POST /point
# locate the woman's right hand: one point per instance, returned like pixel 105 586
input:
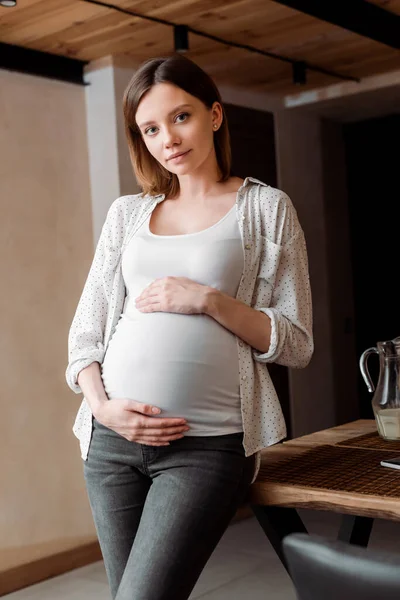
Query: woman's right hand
pixel 132 420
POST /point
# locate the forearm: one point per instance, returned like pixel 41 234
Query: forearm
pixel 250 325
pixel 91 383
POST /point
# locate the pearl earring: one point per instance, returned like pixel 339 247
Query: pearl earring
pixel 215 126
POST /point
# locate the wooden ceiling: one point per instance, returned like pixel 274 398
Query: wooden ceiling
pixel 81 30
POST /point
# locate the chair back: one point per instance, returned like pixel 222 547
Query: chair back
pixel 323 569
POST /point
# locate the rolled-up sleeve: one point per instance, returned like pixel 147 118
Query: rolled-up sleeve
pixel 86 334
pixel 290 309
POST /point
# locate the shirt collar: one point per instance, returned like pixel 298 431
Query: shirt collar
pixel 252 179
pixel 160 197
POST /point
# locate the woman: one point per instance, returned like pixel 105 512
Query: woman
pixel 196 285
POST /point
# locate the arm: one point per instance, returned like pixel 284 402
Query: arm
pixel 279 329
pixel 91 384
pixel 131 419
pixel 85 339
pixel 290 309
pixel 250 325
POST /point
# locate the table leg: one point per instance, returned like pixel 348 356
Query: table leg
pixel 356 530
pixel 278 522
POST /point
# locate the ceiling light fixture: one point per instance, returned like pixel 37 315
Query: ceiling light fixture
pixel 299 71
pixel 181 38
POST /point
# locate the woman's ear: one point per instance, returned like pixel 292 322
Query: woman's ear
pixel 217 116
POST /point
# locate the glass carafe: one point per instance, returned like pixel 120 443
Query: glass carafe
pixel 386 398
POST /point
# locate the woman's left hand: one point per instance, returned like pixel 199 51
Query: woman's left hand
pixel 175 295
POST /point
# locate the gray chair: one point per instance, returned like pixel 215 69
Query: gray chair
pixel 323 569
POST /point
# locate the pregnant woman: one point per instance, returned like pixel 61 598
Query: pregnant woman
pixel 197 283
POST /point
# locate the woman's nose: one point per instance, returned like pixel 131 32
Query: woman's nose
pixel 170 138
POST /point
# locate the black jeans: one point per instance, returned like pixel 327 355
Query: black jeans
pixel 160 511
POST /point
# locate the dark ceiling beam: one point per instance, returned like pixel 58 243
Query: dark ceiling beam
pixel 357 16
pixel 43 64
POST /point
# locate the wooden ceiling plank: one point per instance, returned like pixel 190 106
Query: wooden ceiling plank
pixel 52 23
pixel 81 26
pixel 173 9
pixel 356 55
pixel 144 32
pixel 224 18
pixel 29 13
pixel 332 55
pixel 110 25
pixel 100 46
pixel 21 5
pixel 295 28
pixel 374 65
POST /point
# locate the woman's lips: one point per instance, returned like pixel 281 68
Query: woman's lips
pixel 180 157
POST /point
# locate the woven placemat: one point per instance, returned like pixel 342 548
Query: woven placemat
pixel 333 468
pixel 371 440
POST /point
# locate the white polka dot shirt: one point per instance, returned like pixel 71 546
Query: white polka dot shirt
pixel 275 281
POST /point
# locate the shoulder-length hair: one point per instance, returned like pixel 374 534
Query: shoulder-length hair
pixel 185 74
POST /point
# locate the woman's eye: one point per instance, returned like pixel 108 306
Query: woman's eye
pixel 181 118
pixel 185 115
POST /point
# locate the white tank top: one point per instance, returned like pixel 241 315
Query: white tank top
pixel 187 365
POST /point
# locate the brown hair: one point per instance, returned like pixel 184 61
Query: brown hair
pixel 185 74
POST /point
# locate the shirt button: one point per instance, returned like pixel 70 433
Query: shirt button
pixel 244 377
pixel 240 344
pixel 247 246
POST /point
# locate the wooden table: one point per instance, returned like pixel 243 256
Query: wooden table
pixel 274 503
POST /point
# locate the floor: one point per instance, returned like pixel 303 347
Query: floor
pixel 243 566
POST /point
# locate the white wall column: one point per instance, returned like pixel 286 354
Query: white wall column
pixel 111 172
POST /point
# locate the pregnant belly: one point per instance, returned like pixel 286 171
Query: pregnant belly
pixel 187 365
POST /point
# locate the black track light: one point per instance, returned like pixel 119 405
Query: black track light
pixel 181 38
pixel 299 69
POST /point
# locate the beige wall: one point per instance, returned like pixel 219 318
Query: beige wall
pixel 45 253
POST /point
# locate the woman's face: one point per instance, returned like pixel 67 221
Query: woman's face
pixel 174 122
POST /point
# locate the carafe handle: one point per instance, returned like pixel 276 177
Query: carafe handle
pixel 364 367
